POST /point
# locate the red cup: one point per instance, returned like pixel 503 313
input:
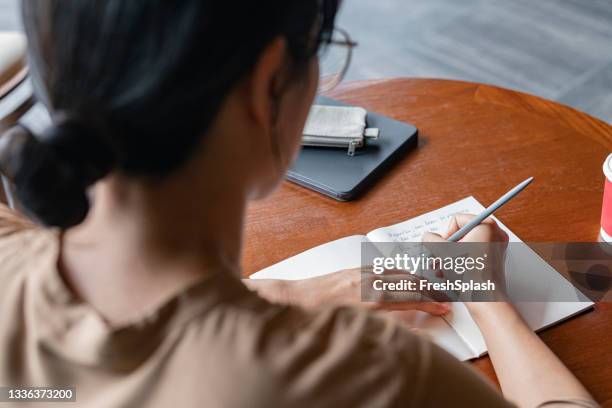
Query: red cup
pixel 606 208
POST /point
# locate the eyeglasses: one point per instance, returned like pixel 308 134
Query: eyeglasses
pixel 334 59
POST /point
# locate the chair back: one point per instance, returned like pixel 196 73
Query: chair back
pixel 16 96
pixel 15 87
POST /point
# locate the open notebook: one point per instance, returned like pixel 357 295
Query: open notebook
pixel 455 332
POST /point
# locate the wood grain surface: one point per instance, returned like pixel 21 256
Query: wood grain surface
pixel 474 140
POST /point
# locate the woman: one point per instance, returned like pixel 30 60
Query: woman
pixel 171 116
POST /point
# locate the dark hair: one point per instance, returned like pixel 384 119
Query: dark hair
pixel 133 84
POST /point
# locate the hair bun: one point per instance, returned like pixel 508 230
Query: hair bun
pixel 51 175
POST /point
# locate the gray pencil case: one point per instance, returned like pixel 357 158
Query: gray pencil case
pixel 339 127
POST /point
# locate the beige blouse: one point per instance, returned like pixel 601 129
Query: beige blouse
pixel 215 345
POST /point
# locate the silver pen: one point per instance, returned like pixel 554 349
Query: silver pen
pixel 489 210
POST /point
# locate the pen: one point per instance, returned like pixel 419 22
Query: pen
pixel 489 210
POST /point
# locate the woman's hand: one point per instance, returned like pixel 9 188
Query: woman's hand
pixel 529 373
pixel 487 232
pixel 344 287
pixel 338 288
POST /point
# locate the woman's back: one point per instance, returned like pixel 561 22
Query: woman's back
pixel 216 345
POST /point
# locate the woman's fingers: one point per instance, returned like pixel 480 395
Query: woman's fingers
pixel 420 289
pixel 453 226
pixel 459 220
pixel 462 219
pixel 432 237
pixel 346 287
pixel 434 308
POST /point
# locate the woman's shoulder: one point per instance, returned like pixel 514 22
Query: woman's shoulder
pixel 290 356
pixel 277 326
pixel 282 355
pixel 22 243
pixel 12 222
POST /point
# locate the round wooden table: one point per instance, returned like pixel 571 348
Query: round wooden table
pixel 474 140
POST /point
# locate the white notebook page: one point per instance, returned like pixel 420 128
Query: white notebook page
pixel 522 264
pixel 456 332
